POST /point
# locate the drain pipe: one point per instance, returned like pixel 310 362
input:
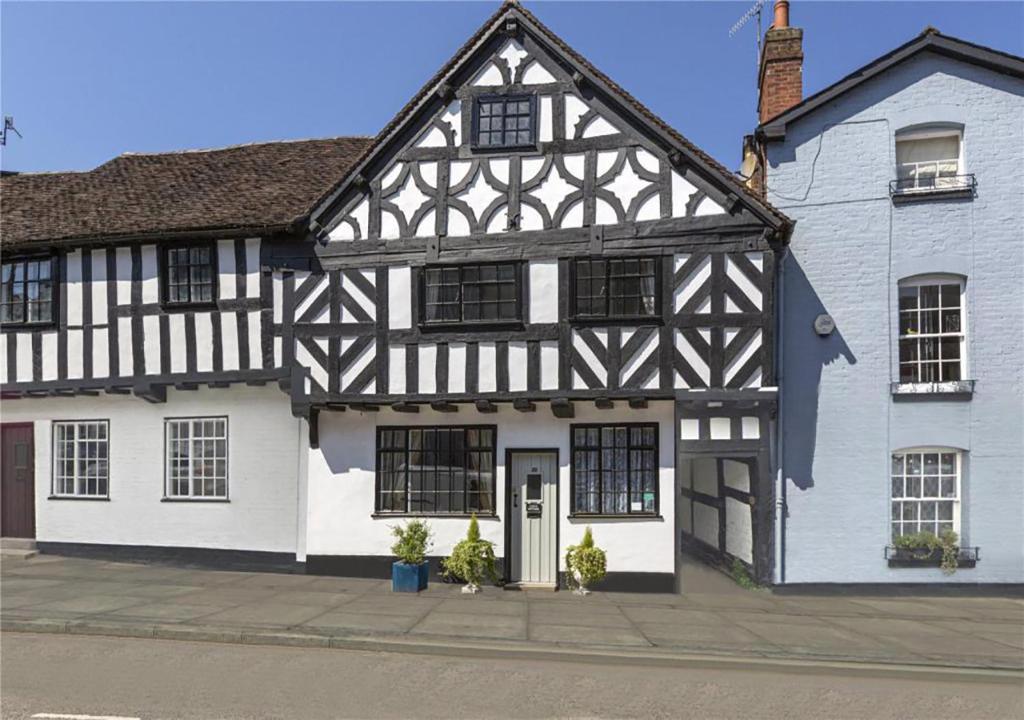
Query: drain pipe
pixel 780 373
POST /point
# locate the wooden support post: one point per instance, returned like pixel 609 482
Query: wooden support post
pixel 314 428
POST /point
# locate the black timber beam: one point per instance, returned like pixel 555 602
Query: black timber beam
pixel 444 406
pixel 314 428
pixel 151 393
pixel 524 405
pixel 486 406
pixel 638 403
pixel 604 403
pixel 405 407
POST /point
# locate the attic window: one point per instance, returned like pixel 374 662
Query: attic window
pixel 504 121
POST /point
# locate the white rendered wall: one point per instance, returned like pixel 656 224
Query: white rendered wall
pixel 341 485
pixel 263 442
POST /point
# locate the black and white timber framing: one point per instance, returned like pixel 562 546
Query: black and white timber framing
pixel 334 314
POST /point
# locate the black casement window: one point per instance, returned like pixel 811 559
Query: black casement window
pixel 507 121
pixel 615 288
pixel 27 291
pixel 190 275
pixel 436 470
pixel 615 469
pixel 472 294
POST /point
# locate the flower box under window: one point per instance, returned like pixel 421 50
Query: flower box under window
pixel 928 557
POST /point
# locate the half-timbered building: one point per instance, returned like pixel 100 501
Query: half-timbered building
pixel 527 299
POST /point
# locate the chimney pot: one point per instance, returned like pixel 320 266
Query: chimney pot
pixel 781 14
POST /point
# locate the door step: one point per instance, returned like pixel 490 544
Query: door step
pixel 18 547
pixel 531 586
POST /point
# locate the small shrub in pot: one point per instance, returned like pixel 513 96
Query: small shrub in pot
pixel 472 559
pixel 585 564
pixel 409 572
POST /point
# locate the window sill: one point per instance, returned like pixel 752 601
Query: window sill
pixel 169 307
pixel 454 516
pixel 194 500
pixel 472 326
pixel 900 558
pixel 89 498
pixel 952 390
pixel 613 320
pixel 616 516
pixel 27 327
pixel 902 197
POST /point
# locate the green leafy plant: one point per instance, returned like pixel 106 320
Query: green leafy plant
pixel 742 576
pixel 585 564
pixel 472 559
pixel 411 541
pixel 921 545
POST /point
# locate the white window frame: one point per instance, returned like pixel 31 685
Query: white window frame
pixel 930 134
pixel 80 484
pixel 918 281
pixel 169 484
pixel 957 499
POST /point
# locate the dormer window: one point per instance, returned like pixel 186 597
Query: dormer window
pixel 504 121
pixel 929 161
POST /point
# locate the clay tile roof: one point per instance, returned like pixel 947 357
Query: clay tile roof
pixel 263 187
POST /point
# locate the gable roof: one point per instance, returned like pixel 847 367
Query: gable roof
pixel 246 189
pixel 511 9
pixel 930 40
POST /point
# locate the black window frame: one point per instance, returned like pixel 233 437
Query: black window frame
pixel 608 316
pixel 575 447
pixel 520 278
pixel 55 284
pixel 505 99
pixel 380 510
pixel 165 280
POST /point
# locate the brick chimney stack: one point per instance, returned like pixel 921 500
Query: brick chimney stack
pixel 780 79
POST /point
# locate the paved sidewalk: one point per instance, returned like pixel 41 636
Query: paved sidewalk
pixel 57 594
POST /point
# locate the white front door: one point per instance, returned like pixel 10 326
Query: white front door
pixel 534 487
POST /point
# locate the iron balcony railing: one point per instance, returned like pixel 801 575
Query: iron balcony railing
pixel 924 183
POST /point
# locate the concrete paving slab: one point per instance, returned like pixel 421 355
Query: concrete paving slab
pixel 321 599
pixel 266 613
pixel 361 622
pixel 577 617
pixel 644 599
pixel 20 584
pixel 892 607
pixel 274 581
pixel 388 605
pixel 228 595
pixel 88 604
pixel 752 616
pixel 456 626
pixel 164 612
pixel 475 605
pixel 587 635
pixel 749 601
pixel 681 616
pixel 1011 634
pixel 702 636
pixel 342 584
pixel 801 638
pixel 580 604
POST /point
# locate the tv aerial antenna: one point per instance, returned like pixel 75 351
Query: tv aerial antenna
pixel 8 125
pixel 754 11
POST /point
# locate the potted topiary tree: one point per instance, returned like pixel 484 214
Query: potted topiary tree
pixel 585 564
pixel 409 572
pixel 472 559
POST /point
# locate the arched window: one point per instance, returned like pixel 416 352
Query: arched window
pixel 926 490
pixel 932 329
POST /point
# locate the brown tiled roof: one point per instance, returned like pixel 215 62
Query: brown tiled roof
pixel 263 187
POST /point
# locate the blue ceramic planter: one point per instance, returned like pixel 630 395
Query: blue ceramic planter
pixel 409 578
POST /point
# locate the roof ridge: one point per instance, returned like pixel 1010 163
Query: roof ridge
pixel 236 146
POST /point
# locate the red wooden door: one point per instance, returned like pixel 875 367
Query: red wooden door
pixel 17 481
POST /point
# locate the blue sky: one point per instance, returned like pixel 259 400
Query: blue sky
pixel 87 81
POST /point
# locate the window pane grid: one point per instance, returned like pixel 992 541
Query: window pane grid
pixel 504 122
pixel 26 292
pixel 616 287
pixel 197 460
pixel 925 492
pixel 81 461
pixel 472 293
pixel 615 469
pixel 190 275
pixel 435 470
pixel 931 333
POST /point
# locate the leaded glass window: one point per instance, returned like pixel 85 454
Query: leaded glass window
pixel 504 122
pixel 615 469
pixel 26 291
pixel 191 277
pixel 616 287
pixel 471 293
pixel 925 491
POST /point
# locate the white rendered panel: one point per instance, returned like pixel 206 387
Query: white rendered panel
pixel 488 362
pixel 176 323
pixel 427 368
pixel 204 343
pixel 76 351
pixel 457 367
pixel 720 428
pixel 750 428
pixel 49 349
pixel 278 286
pixel 549 365
pixel 151 344
pixel 543 291
pixel 150 279
pixel 708 206
pixel 229 341
pixel 739 535
pixel 99 287
pixel 124 346
pixel 73 288
pixel 4 339
pixel 23 356
pixel 255 341
pixel 535 74
pixel 226 269
pixel 366 357
pixel 399 298
pixel 396 369
pixel 681 192
pixel 123 255
pixel 545 119
pixel 100 353
pixel 517 362
pixel 252 267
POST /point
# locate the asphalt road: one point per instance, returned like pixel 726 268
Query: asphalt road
pixel 47 676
